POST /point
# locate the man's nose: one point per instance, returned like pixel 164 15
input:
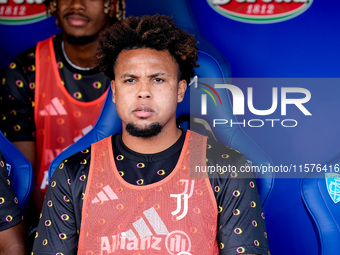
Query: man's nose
pixel 77 4
pixel 144 90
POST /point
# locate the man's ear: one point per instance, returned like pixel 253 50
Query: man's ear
pixel 113 87
pixel 182 87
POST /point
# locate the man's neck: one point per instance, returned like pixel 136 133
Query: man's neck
pixel 82 55
pixel 151 145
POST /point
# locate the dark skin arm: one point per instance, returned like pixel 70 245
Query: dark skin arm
pixel 12 240
pixel 28 148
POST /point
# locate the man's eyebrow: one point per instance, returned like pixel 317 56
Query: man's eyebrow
pixel 127 75
pixel 159 74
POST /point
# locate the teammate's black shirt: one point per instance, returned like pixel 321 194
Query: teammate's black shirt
pixel 10 214
pixel 18 87
pixel 237 198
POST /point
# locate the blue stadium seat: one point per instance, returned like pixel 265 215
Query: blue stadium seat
pixel 320 192
pixel 19 170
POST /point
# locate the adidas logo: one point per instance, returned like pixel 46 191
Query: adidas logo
pixel 176 242
pixel 107 194
pixel 53 109
pixel 143 230
pixel 84 131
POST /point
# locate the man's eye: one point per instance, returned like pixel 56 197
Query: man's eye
pixel 159 80
pixel 129 80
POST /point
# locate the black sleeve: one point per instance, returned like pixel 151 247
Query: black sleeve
pixel 17 98
pixel 59 225
pixel 10 214
pixel 241 224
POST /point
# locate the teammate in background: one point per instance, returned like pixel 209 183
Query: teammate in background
pixel 52 93
pixel 12 232
pixel 132 192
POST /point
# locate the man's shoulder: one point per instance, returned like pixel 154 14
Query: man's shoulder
pixel 216 149
pixel 78 157
pixel 80 161
pixel 28 55
pixel 227 160
pixel 74 166
pixel 78 164
pixel 25 58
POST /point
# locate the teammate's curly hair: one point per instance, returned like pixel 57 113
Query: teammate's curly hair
pixel 51 8
pixel 157 32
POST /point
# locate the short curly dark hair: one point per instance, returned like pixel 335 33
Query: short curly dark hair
pixel 51 8
pixel 157 32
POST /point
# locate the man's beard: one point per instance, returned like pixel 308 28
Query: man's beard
pixel 81 40
pixel 150 131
